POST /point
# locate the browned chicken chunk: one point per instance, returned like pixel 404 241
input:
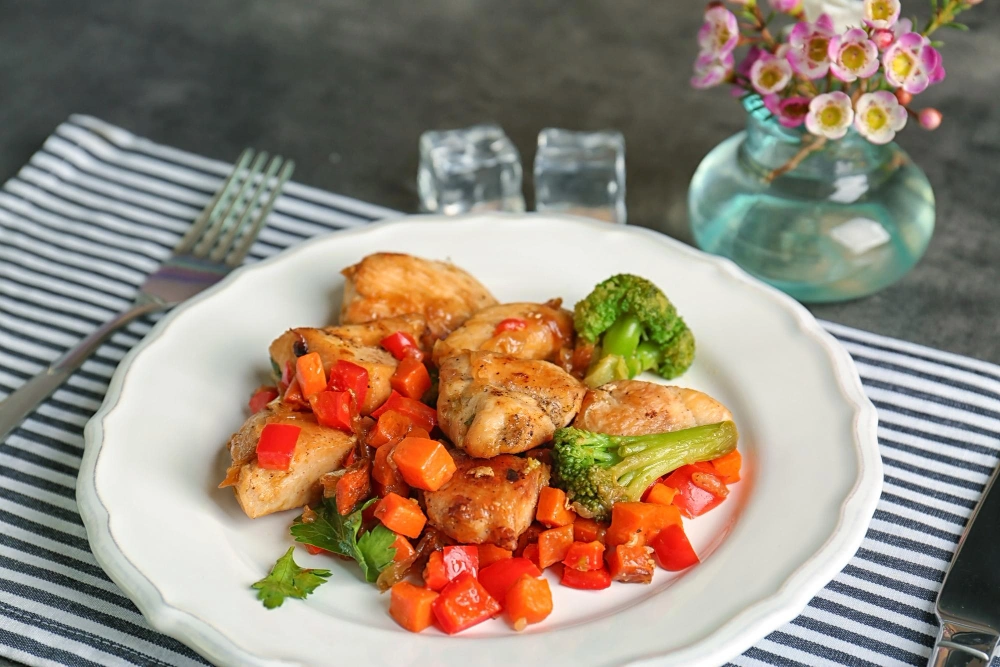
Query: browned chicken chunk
pixel 392 284
pixel 488 500
pixel 317 451
pixel 634 407
pixel 490 404
pixel 357 343
pixel 547 333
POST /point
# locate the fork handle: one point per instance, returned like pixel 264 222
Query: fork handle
pixel 19 405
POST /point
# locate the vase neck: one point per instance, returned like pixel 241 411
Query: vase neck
pixel 769 146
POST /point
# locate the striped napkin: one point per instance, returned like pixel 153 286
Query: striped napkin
pixel 98 208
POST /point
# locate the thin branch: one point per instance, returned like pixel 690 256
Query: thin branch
pixel 804 152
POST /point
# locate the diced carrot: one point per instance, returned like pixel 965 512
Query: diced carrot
pixel 385 476
pixel 552 509
pixel 553 545
pixel 401 515
pixel 491 553
pixel 423 463
pixel 353 486
pixel 391 425
pixel 585 556
pixel 435 573
pixel 661 494
pixel 310 374
pixel 639 523
pixel 411 378
pixel 293 396
pixel 404 550
pixel 529 536
pixel 528 601
pixel 588 530
pixel 411 606
pixel 631 564
pixel 531 553
pixel 728 466
pixel 315 551
pixel 422 415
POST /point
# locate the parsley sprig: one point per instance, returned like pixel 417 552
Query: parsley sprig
pixel 288 580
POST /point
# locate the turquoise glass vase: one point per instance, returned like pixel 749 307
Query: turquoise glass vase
pixel 849 219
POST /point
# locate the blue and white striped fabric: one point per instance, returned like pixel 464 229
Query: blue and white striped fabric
pixel 97 209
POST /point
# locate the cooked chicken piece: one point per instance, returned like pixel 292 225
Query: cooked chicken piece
pixel 317 451
pixel 392 284
pixel 634 407
pixel 488 500
pixel 548 333
pixel 489 404
pixel 357 343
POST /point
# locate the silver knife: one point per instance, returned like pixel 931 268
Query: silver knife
pixel 968 605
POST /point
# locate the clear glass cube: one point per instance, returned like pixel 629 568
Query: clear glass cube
pixel 476 168
pixel 582 173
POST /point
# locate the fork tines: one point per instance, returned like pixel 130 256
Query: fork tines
pixel 228 226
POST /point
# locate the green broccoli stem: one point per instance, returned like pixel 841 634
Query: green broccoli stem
pixel 645 458
pixel 622 337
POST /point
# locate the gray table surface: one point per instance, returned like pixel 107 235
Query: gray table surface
pixel 347 86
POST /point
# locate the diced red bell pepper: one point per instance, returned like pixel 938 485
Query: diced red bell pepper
pixel 261 398
pixel 334 409
pixel 310 374
pixel 401 343
pixel 463 603
pixel 293 395
pixel 346 376
pixel 276 446
pixel 588 580
pixel 287 375
pixel 673 550
pixel 315 551
pixel 460 559
pixel 435 575
pixel 699 489
pixel 510 324
pixel 421 415
pixel 501 575
pixel 411 378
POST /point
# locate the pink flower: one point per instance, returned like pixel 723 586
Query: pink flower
pixel 712 69
pixel 853 55
pixel 809 47
pixel 878 116
pixel 786 6
pixel 881 13
pixel 720 33
pixel 753 53
pixel 912 63
pixel 790 112
pixel 770 73
pixel 930 119
pixel 830 115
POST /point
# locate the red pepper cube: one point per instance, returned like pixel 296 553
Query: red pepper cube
pixel 463 603
pixel 401 343
pixel 347 376
pixel 435 575
pixel 261 398
pixel 499 577
pixel 276 446
pixel 698 489
pixel 334 409
pixel 673 550
pixel 461 559
pixel 589 580
pixel 421 415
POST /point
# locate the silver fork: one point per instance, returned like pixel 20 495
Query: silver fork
pixel 216 243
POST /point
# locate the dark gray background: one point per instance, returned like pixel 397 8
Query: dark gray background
pixel 347 86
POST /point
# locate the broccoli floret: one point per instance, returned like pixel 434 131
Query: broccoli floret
pixel 635 329
pixel 597 470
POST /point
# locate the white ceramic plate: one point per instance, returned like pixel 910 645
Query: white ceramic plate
pixel 186 555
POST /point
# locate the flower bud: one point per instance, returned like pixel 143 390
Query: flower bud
pixel 883 39
pixel 930 119
pixel 973 2
pixel 904 97
pixel 714 4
